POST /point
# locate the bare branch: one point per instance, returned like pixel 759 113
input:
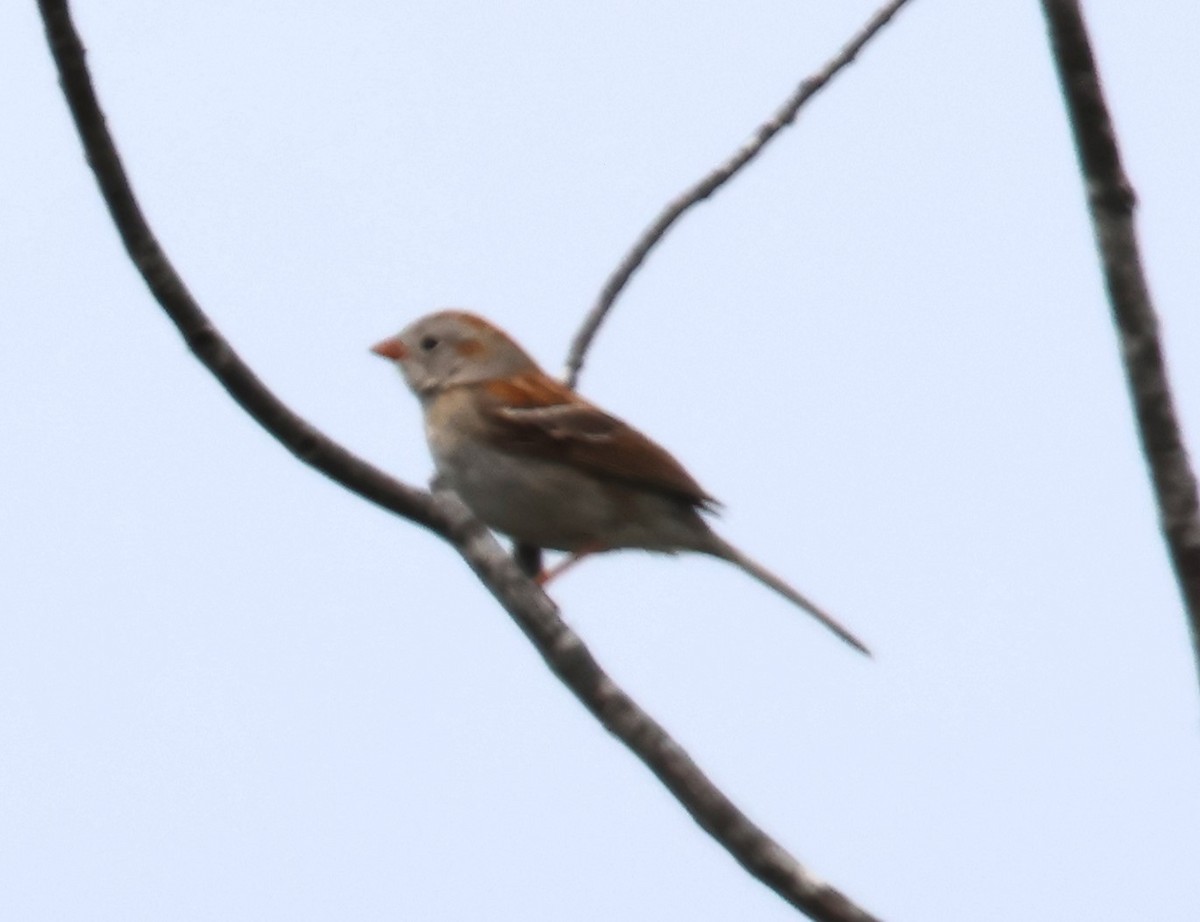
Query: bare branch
pixel 1111 200
pixel 653 235
pixel 441 513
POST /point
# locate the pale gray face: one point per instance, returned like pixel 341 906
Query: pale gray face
pixel 451 348
pixel 439 347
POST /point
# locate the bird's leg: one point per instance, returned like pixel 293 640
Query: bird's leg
pixel 529 559
pixel 567 562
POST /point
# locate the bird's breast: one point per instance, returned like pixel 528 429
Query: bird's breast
pixel 544 502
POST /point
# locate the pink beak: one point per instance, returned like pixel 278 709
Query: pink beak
pixel 391 349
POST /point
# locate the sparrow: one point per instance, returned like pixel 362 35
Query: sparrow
pixel 535 461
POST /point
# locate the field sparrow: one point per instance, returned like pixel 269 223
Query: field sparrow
pixel 535 461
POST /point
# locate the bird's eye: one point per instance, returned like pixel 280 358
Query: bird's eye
pixel 428 343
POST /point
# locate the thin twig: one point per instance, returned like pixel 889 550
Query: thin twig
pixel 675 209
pixel 1111 200
pixel 441 513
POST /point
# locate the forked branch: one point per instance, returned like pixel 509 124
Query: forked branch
pixel 442 514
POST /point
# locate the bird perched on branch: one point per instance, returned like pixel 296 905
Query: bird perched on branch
pixel 535 461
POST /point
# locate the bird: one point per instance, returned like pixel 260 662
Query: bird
pixel 535 461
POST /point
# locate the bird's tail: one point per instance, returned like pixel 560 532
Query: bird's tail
pixel 726 551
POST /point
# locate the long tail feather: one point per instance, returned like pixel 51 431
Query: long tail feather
pixel 726 551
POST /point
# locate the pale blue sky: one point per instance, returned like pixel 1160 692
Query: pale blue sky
pixel 230 690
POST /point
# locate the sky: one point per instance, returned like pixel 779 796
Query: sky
pixel 231 690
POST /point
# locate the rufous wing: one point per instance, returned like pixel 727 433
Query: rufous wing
pixel 535 415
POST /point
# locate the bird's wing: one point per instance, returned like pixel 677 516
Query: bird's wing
pixel 533 414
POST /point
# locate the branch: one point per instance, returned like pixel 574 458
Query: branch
pixel 441 513
pixel 1111 200
pixel 675 209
